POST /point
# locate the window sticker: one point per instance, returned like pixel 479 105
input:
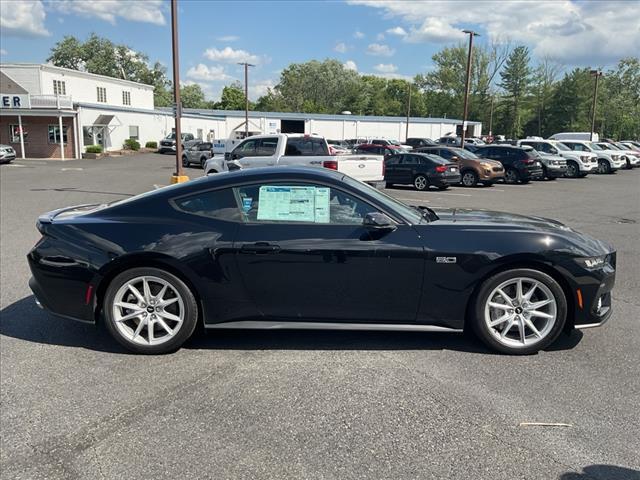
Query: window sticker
pixel 294 204
pixel 246 204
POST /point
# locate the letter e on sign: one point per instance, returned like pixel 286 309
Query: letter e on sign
pixel 5 101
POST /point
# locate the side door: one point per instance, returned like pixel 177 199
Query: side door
pixel 245 152
pixel 305 150
pixel 408 166
pixel 304 254
pixel 391 166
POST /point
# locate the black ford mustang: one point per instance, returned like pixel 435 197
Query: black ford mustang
pixel 311 248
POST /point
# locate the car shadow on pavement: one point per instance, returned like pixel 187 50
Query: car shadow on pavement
pixel 602 472
pixel 24 320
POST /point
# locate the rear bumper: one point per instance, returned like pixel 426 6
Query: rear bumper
pixel 530 174
pixel 445 181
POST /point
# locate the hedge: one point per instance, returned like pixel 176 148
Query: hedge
pixel 94 149
pixel 131 144
pixel 151 145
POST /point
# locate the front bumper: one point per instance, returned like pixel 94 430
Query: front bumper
pixel 556 171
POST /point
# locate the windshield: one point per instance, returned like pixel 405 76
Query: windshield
pixel 410 214
pixel 561 147
pixel 595 146
pixel 610 146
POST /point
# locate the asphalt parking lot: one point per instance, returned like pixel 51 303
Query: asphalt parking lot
pixel 332 405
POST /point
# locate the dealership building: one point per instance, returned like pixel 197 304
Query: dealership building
pixel 54 112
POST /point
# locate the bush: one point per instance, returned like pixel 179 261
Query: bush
pixel 94 149
pixel 151 145
pixel 131 144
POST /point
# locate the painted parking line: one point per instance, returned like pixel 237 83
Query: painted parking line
pixel 71 169
pixel 458 194
pixel 15 165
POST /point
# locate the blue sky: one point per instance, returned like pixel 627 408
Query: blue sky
pixel 387 38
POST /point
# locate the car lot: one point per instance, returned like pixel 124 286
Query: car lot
pixel 315 404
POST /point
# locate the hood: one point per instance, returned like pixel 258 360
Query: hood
pixel 552 232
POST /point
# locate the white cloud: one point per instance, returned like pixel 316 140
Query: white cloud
pixel 228 38
pixel 229 55
pixel 3 52
pixel 570 31
pixel 23 18
pixel 350 65
pixel 341 47
pixel 392 76
pixel 398 31
pixel 259 88
pixel 358 34
pixel 207 74
pixel 147 11
pixel 380 50
pixel 385 68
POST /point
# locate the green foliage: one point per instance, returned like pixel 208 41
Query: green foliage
pixel 232 98
pixel 151 145
pixel 515 81
pixel 131 144
pixel 192 96
pixel 93 148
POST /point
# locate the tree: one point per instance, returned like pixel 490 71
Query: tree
pixel 544 77
pixel 192 96
pixel 232 98
pixel 515 81
pixel 101 56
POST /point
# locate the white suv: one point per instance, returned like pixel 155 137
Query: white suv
pixel 579 164
pixel 608 160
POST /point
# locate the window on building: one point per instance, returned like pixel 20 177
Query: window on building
pixel 14 133
pixel 54 134
pixel 199 135
pixel 59 87
pixel 102 95
pixel 133 132
pixel 126 98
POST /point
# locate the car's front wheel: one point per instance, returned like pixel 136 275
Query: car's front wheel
pixel 185 162
pixel 519 311
pixel 573 171
pixel 149 310
pixel 511 176
pixel 603 166
pixel 203 160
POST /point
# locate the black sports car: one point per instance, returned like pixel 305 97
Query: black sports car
pixel 311 248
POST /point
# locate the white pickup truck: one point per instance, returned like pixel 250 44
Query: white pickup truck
pixel 301 150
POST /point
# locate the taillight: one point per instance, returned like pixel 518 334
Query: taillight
pixel 441 169
pixel 330 164
pixel 528 161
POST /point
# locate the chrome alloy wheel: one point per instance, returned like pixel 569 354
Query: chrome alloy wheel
pixel 469 179
pixel 420 182
pixel 520 312
pixel 148 310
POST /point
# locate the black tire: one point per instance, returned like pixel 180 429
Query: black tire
pixel 545 173
pixel 469 178
pixel 185 162
pixel 443 187
pixel 603 166
pixel 188 300
pixel 203 160
pixel 420 182
pixel 573 170
pixel 482 330
pixel 511 176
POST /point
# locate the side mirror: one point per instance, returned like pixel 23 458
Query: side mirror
pixel 378 221
pixel 455 158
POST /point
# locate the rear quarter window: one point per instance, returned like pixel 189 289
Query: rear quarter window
pixel 216 204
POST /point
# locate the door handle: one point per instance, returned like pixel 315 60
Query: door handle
pixel 259 248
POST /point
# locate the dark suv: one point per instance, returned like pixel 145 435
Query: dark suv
pixel 519 164
pixel 420 142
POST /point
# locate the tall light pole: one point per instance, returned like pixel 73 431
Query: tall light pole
pixel 406 136
pixel 597 74
pixel 467 84
pixel 246 96
pixel 178 176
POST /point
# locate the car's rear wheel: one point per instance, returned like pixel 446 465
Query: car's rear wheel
pixel 519 311
pixel 185 162
pixel 511 176
pixel 603 166
pixel 572 170
pixel 149 310
pixel 420 182
pixel 469 178
pixel 203 160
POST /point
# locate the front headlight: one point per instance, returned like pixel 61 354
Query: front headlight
pixel 592 263
pixel 614 157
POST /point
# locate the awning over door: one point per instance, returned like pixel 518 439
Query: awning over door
pixel 103 120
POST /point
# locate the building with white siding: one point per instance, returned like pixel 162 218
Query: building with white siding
pixel 54 112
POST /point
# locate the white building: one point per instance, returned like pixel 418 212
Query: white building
pixel 42 107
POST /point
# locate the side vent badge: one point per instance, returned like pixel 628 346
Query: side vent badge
pixel 446 259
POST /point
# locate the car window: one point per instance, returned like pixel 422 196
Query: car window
pixel 266 147
pixel 309 146
pixel 217 204
pixel 300 203
pixel 393 160
pixel 378 142
pixel 444 153
pixel 246 149
pixel 204 146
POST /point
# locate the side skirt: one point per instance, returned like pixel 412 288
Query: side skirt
pixel 276 325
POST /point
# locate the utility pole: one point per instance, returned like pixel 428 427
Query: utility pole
pixel 246 96
pixel 178 176
pixel 406 137
pixel 597 74
pixel 491 118
pixel 467 85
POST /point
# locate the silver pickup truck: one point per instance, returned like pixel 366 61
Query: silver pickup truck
pixel 197 153
pixel 297 149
